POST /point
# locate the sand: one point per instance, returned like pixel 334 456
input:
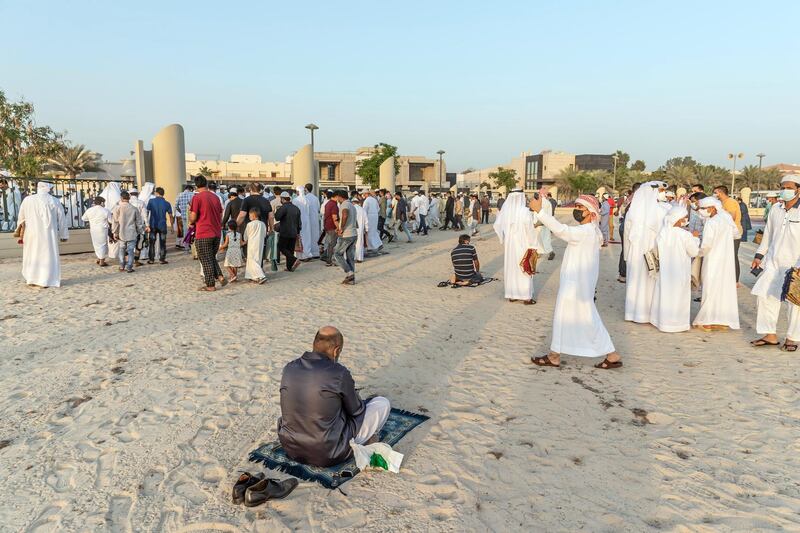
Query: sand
pixel 130 401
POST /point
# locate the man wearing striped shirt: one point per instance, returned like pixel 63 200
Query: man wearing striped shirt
pixel 466 266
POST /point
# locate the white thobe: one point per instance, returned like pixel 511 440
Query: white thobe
pixel 10 200
pixel 434 211
pixel 363 226
pixel 517 238
pixel 371 209
pixel 254 234
pixel 577 326
pixel 99 219
pixel 45 224
pixel 672 298
pixel 305 226
pixel 639 283
pixel 314 222
pixel 718 303
pixel 780 248
pixel 137 202
pixel 545 242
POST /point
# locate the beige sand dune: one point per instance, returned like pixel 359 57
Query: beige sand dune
pixel 129 403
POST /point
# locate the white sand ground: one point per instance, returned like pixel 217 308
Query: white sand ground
pixel 129 402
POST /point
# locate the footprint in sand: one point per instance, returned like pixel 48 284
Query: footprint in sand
pixel 88 451
pixel 446 492
pixel 151 482
pixel 171 520
pixel 191 492
pixel 118 516
pixel 351 519
pixel 442 513
pixel 105 469
pixel 62 478
pixel 49 519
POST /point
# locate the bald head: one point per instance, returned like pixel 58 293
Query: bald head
pixel 329 341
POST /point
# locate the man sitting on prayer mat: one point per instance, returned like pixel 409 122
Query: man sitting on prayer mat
pixel 320 408
pixel 466 267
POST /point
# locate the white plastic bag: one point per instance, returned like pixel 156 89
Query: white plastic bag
pixel 363 456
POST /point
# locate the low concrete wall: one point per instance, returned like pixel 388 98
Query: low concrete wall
pixel 80 241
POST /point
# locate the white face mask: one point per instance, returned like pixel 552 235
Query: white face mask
pixel 662 196
pixel 703 212
pixel 787 195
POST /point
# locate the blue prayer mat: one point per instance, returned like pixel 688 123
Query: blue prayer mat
pixel 272 455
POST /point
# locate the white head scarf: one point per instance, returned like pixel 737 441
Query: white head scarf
pixel 514 210
pixel 146 193
pixel 642 218
pixel 112 195
pixel 725 217
pixel 43 187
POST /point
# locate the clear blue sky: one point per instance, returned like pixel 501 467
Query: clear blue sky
pixel 481 80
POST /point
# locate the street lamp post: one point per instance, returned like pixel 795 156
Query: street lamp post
pixel 740 155
pixel 314 178
pixel 615 157
pixel 441 153
pixel 760 156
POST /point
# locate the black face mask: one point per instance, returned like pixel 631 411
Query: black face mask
pixel 577 214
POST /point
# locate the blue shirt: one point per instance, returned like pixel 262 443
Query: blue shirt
pixel 158 208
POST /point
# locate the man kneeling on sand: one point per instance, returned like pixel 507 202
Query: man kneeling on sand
pixel 320 408
pixel 466 267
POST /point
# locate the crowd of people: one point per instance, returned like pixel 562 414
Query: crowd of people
pixel 291 226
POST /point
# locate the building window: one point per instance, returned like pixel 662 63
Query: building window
pixel 273 174
pixel 331 172
pixel 531 173
pixel 235 175
pixel 262 174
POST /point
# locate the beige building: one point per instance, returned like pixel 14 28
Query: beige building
pixel 533 171
pixel 336 170
pixel 242 168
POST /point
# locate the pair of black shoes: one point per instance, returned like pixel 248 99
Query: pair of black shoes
pixel 255 489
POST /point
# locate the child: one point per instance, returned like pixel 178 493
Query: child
pixel 233 251
pixel 255 233
pixel 672 297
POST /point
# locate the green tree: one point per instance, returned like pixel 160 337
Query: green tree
pixel 71 161
pixel 623 159
pixel 584 182
pixel 572 182
pixel 711 175
pixel 750 176
pixel 603 178
pixel 369 168
pixel 638 165
pixel 685 161
pixel 771 178
pixel 504 177
pixel 24 146
pixel 681 175
pixel 205 171
pixel 485 185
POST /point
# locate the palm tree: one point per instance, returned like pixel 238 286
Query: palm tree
pixel 564 181
pixel 205 171
pixel 749 176
pixel 711 176
pixel 71 161
pixel 681 175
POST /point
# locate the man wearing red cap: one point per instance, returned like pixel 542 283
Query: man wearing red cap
pixel 577 326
